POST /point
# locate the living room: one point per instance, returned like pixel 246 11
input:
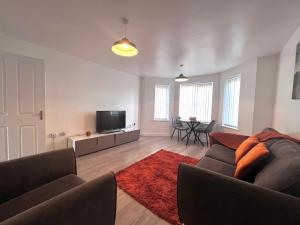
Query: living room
pixel 156 128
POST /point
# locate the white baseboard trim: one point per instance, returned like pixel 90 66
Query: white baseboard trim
pixel 154 134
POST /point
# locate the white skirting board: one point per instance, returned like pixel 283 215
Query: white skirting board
pixel 156 134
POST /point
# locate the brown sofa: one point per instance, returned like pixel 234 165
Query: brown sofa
pixel 208 193
pixel 44 190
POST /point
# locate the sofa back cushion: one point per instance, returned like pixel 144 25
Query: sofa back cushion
pixel 251 161
pixel 245 147
pixel 19 176
pixel 269 129
pixel 282 171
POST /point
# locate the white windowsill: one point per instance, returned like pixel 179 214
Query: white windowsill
pixel 161 120
pixel 232 128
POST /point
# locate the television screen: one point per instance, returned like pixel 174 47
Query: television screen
pixel 110 120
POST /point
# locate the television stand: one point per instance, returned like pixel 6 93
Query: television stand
pixel 83 144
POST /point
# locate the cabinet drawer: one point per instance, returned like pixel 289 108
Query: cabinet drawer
pixel 134 135
pixel 122 138
pixel 86 146
pixel 106 141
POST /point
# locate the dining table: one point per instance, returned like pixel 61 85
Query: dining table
pixel 192 124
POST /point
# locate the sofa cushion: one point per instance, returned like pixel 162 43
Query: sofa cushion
pixel 221 153
pixel 30 172
pixel 36 196
pixel 245 147
pixel 216 166
pixel 251 162
pixel 282 171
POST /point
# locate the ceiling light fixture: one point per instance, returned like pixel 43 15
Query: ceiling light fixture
pixel 181 77
pixel 124 47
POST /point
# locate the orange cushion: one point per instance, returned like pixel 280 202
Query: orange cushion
pixel 252 160
pixel 245 147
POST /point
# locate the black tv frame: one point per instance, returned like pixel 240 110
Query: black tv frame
pixel 112 130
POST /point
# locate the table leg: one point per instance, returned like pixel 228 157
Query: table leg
pixel 188 138
pixel 187 132
pixel 200 140
pixel 192 130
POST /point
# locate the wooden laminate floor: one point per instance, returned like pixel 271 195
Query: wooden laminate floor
pixel 130 212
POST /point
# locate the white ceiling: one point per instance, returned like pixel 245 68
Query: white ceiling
pixel 207 36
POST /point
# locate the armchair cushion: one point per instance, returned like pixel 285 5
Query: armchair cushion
pixel 91 203
pixel 221 153
pixel 36 196
pixel 19 176
pixel 216 166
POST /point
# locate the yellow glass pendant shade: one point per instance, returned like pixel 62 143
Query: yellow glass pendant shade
pixel 124 48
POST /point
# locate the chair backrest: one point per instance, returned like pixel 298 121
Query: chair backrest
pixel 210 126
pixel 176 121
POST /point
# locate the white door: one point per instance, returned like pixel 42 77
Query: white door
pixel 22 105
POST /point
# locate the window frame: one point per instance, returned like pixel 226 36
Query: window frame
pixel 224 94
pixel 212 97
pixel 168 103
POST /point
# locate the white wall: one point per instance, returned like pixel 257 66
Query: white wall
pixel 247 96
pixel 266 80
pixel 287 111
pixel 76 88
pixel 150 127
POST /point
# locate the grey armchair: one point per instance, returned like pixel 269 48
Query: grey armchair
pixel 44 190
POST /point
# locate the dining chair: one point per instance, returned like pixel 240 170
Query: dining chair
pixel 205 129
pixel 177 125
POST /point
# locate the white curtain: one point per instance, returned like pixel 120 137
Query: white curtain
pixel 231 101
pixel 161 104
pixel 195 100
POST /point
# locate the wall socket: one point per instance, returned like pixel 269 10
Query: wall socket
pixel 62 134
pixel 132 125
pixel 52 135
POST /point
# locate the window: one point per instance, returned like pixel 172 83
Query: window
pixel 161 104
pixel 196 100
pixel 231 102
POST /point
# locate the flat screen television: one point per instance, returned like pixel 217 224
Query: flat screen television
pixel 110 121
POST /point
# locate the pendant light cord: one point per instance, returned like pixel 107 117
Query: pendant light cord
pixel 125 22
pixel 181 68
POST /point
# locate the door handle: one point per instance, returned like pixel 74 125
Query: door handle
pixel 41 115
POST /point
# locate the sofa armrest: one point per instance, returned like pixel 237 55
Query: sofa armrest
pixel 92 203
pixel 206 197
pixel 24 174
pixel 227 139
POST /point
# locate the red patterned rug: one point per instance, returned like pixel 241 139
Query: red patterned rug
pixel 153 182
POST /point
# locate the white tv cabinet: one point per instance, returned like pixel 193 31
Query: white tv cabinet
pixel 83 144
